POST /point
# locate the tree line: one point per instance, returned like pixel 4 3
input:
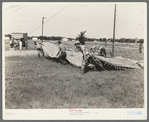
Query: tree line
pixel 85 39
pixel 122 40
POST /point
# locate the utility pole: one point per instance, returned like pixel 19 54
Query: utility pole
pixel 114 31
pixel 42 27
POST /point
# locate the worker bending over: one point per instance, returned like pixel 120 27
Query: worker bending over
pixel 81 48
pixel 102 52
pixel 61 51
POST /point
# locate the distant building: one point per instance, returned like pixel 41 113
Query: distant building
pixel 19 35
pixel 34 38
pixel 65 39
pixel 95 40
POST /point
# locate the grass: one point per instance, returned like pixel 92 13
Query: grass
pixel 46 83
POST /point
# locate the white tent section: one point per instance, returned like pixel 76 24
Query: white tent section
pixel 34 38
pixel 65 39
pixel 75 58
pixel 51 50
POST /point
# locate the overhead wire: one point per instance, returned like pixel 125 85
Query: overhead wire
pixel 13 6
pixel 15 10
pixel 49 19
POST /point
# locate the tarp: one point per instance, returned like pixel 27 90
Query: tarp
pixel 119 61
pixel 76 58
pixel 115 63
pixel 51 50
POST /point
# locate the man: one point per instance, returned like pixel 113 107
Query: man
pixel 92 49
pixel 11 42
pixel 37 46
pixel 23 42
pixel 20 45
pixel 61 51
pixel 102 52
pixel 140 47
pixel 83 50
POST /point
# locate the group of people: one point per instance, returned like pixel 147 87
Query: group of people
pixel 61 55
pixel 81 48
pixel 15 43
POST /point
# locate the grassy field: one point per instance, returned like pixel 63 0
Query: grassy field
pixel 32 83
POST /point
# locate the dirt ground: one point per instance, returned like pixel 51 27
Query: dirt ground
pixel 41 83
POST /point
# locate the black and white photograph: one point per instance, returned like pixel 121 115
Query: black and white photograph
pixel 74 61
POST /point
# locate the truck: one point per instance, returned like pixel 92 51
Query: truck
pixel 16 37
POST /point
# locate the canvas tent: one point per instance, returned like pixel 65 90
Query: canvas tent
pixel 101 63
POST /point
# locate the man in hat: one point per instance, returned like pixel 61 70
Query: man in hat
pixel 37 45
pixel 61 51
pixel 84 65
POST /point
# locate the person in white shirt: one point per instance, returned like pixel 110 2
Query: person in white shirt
pixel 20 45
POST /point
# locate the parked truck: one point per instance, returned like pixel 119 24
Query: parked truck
pixel 17 37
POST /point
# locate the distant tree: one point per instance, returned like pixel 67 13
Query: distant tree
pixel 104 39
pixel 127 40
pixel 100 39
pixel 81 37
pixel 141 41
pixel 40 37
pixel 122 40
pixel 109 39
pixel 71 39
pixel 97 40
pixel 8 35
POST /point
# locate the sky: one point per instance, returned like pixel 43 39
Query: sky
pixel 69 19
